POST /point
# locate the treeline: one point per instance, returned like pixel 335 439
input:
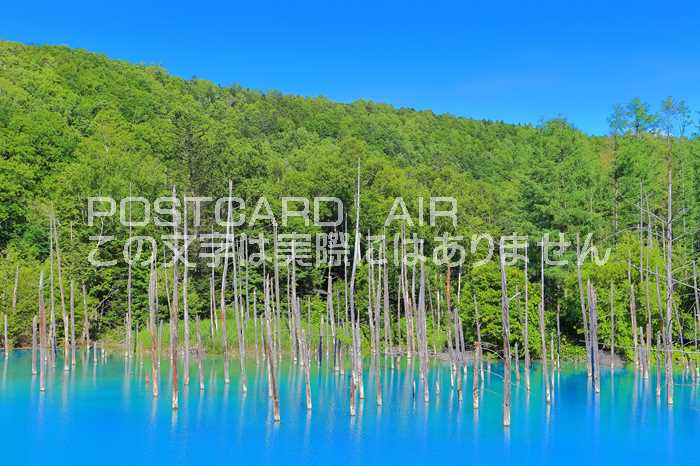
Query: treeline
pixel 75 124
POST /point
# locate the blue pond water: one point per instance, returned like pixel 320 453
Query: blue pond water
pixel 105 415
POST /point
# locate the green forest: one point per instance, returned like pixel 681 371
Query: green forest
pixel 75 124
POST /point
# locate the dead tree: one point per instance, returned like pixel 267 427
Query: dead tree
pixel 658 365
pixel 697 304
pixel 66 349
pixel 174 312
pixel 545 371
pixel 526 338
pixel 306 355
pixel 612 325
pixel 238 311
pixel 200 355
pixel 584 317
pixel 271 360
pixel 42 335
pixel 152 299
pixel 52 297
pixel 86 321
pixel 185 300
pixel 34 325
pixel 475 375
pixel 595 359
pixel 72 323
pixel 669 289
pixel 505 322
pixel 633 315
pixel 222 298
pixel 14 307
pixel 356 371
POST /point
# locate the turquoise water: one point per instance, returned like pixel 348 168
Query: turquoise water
pixel 105 415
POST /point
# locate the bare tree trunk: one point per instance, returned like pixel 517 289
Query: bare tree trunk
pixel 583 306
pixel 356 374
pixel 421 327
pixel 306 355
pixel 475 375
pixel 516 357
pixel 633 315
pixel 505 323
pixel 658 365
pixel 545 371
pixel 72 323
pixel 52 297
pixel 387 314
pixel 66 361
pixel 558 339
pixel 451 324
pixel 378 296
pixel 255 325
pixel 152 299
pixel 526 338
pixel 200 355
pixel 331 314
pixel 14 308
pixel 6 340
pixel 276 290
pixel 34 325
pixel 86 320
pixel 697 304
pixel 238 311
pixel 213 322
pixel 159 340
pixel 42 335
pixel 174 314
pixel 222 299
pixel 185 301
pixel 271 359
pixel 595 360
pixel 612 325
pixel 478 337
pixel 669 290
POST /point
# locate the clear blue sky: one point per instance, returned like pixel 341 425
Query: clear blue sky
pixel 517 61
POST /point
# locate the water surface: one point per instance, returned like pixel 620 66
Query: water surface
pixel 104 414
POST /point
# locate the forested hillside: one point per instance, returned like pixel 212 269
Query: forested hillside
pixel 74 124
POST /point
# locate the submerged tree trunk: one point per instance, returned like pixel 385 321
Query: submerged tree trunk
pixel 475 375
pixel 633 315
pixel 658 365
pixel 612 325
pixel 42 334
pixel 222 299
pixel 238 311
pixel 152 299
pixel 200 354
pixel 86 320
pixel 72 323
pixel 595 360
pixel 64 315
pixel 306 355
pixel 14 309
pixel 185 301
pixel 271 360
pixel 545 371
pixel 526 338
pixel 584 318
pixel 669 290
pixel 506 340
pixel 34 324
pixel 174 314
pixel 696 294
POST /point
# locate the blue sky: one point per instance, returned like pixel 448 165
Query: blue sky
pixel 516 61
